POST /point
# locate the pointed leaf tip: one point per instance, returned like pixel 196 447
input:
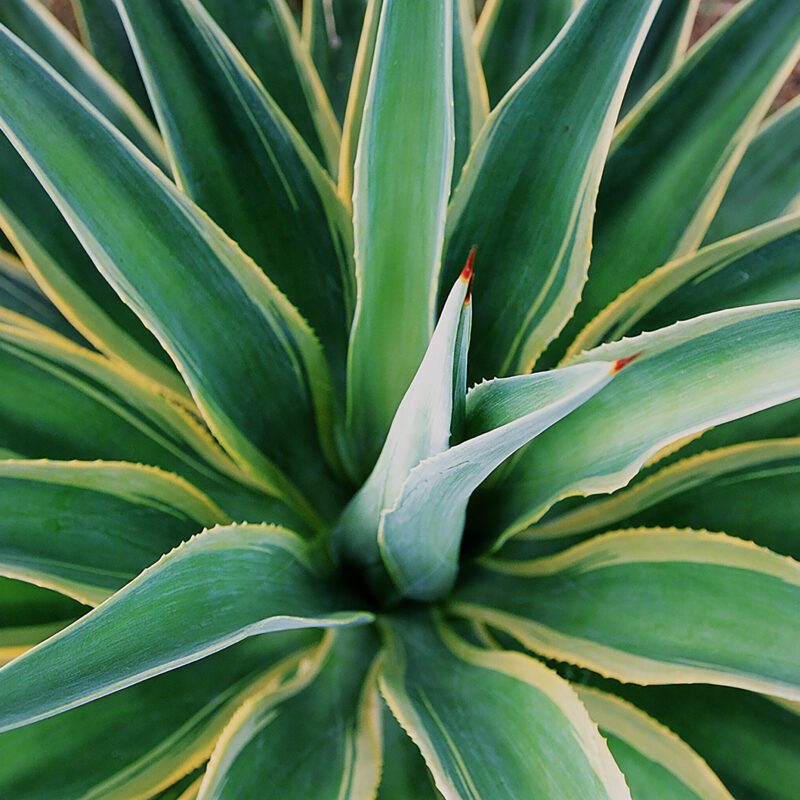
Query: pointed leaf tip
pixel 621 363
pixel 466 273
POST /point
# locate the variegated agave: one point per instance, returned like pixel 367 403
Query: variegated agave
pixel 249 316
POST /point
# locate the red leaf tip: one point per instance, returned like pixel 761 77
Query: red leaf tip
pixel 466 273
pixel 621 363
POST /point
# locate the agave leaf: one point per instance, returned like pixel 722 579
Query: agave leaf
pixel 655 762
pixel 48 383
pixel 140 740
pixel 253 365
pixel 331 32
pixel 674 155
pixel 420 534
pixel 421 428
pixel 317 736
pixel 663 48
pixel 470 96
pixel 104 35
pixel 264 187
pixel 404 773
pixel 186 789
pixel 758 266
pixel 522 172
pixel 266 34
pixel 647 589
pixel 402 179
pixel 462 706
pixel 241 581
pixel 767 181
pixel 112 521
pixel 512 34
pixel 749 490
pixel 357 96
pixel 38 28
pixel 757 754
pixel 20 294
pixel 724 365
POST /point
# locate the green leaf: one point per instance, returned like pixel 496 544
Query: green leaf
pixel 266 34
pixel 470 96
pixel 86 528
pixel 40 30
pixel 359 85
pixel 142 739
pixel 331 32
pixel 316 736
pixel 421 428
pixel 673 157
pixel 749 490
pixel 404 773
pixel 722 366
pixel 767 181
pixel 20 294
pixel 240 581
pixel 30 614
pixel 655 762
pixel 462 706
pixel 402 179
pixel 663 48
pixel 213 310
pixel 512 34
pixel 537 269
pixel 48 383
pixel 104 35
pixel 758 266
pixel 652 606
pixel 420 533
pixel 750 741
pixel 264 188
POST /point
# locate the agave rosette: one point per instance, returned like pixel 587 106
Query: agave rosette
pixel 260 539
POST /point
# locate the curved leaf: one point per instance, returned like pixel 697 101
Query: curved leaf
pixel 462 706
pixel 749 740
pixel 331 32
pixel 402 180
pixel 470 96
pixel 512 34
pixel 655 762
pixel 104 35
pixel 421 428
pixel 663 48
pixel 224 324
pixel 750 490
pixel 263 187
pixel 675 154
pixel 86 528
pixel 48 383
pixel 241 581
pixel 758 266
pixel 266 34
pixel 723 365
pixel 140 740
pixel 316 736
pixel 19 293
pixel 652 606
pixel 540 187
pixel 767 182
pixel 420 533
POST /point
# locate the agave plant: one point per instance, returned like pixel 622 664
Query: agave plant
pixel 258 537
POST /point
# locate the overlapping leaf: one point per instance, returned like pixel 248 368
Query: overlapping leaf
pixel 526 197
pixel 240 580
pixel 652 606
